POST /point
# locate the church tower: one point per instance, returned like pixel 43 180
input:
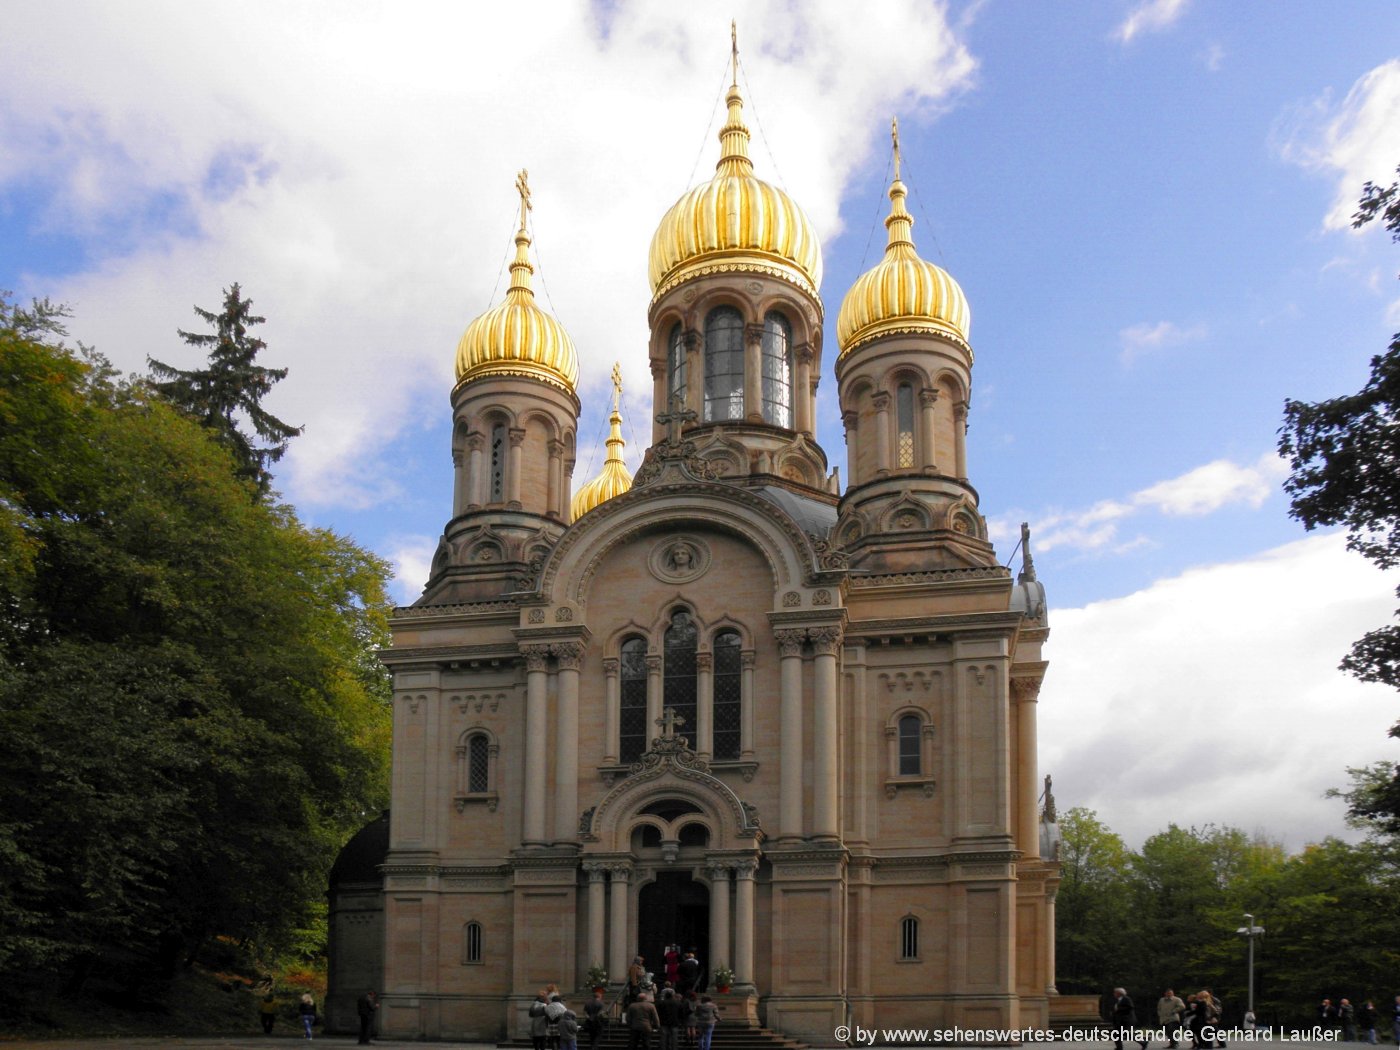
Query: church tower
pixel 736 321
pixel 904 375
pixel 515 417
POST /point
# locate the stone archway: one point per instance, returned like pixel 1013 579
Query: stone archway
pixel 674 908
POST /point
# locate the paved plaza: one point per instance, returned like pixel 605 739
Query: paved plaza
pixel 285 1041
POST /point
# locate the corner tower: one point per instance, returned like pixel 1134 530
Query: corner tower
pixel 904 378
pixel 514 426
pixel 736 320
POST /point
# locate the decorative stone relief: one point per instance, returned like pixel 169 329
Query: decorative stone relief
pixel 822 597
pixel 536 616
pixel 791 600
pixel 679 559
pixel 563 614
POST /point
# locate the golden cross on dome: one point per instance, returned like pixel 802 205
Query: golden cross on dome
pixel 617 386
pixel 668 723
pixel 734 48
pixel 522 183
pixel 894 137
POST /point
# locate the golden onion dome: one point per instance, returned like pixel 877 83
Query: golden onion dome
pixel 735 222
pixel 614 479
pixel 901 293
pixel 517 338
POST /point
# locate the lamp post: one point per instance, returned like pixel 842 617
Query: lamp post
pixel 1249 931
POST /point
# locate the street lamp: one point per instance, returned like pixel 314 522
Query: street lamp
pixel 1249 931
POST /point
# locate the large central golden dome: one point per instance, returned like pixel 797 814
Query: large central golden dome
pixel 735 222
pixel 901 293
pixel 517 337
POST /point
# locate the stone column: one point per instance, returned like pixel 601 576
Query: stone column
pixel 927 399
pixel 881 401
pixel 517 438
pixel 705 704
pixel 536 734
pixel 802 391
pixel 569 655
pixel 743 921
pixel 1025 692
pixel 753 373
pixel 556 479
pixel 694 373
pixel 851 421
pixel 960 438
pixel 826 813
pixel 1050 892
pixel 617 909
pixel 613 692
pixel 654 694
pixel 746 704
pixel 790 734
pixel 460 481
pixel 659 399
pixel 597 920
pixel 476 477
pixel 719 915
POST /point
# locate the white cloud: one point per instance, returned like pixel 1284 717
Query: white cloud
pixel 1200 491
pixel 1214 696
pixel 1141 339
pixel 412 558
pixel 355 174
pixel 1214 56
pixel 1355 139
pixel 1150 16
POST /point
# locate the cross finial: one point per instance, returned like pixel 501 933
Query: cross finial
pixel 668 722
pixel 894 138
pixel 673 419
pixel 617 386
pixel 522 184
pixel 734 48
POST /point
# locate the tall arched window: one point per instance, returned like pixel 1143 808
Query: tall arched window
pixel 498 463
pixel 904 420
pixel 471 943
pixel 910 731
pixel 909 938
pixel 727 697
pixel 679 692
pixel 632 720
pixel 478 764
pixel 675 364
pixel 777 370
pixel 724 365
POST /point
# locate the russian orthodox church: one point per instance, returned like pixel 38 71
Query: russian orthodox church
pixel 729 703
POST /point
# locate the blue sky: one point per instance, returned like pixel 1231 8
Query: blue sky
pixel 1144 202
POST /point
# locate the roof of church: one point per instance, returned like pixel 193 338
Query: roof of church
pixel 359 859
pixel 810 515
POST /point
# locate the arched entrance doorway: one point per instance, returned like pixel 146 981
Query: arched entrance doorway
pixel 674 909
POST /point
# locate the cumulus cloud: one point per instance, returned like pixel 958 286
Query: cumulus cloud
pixel 1141 339
pixel 1151 16
pixel 411 558
pixel 1214 696
pixel 1355 139
pixel 355 175
pixel 1203 490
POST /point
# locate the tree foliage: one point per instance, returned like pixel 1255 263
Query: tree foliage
pixel 230 386
pixel 1345 458
pixel 190 720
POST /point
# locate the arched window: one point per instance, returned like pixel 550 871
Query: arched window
pixel 478 764
pixel 777 370
pixel 675 364
pixel 904 420
pixel 498 463
pixel 910 731
pixel 632 721
pixel 679 692
pixel 727 697
pixel 724 365
pixel 471 943
pixel 909 937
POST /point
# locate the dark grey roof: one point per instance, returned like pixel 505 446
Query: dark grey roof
pixel 359 859
pixel 811 515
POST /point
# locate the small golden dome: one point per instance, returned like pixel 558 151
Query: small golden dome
pixel 517 337
pixel 614 479
pixel 735 222
pixel 901 293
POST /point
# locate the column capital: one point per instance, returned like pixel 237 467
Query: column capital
pixel 653 662
pixel 790 642
pixel 748 659
pixel 881 400
pixel 536 657
pixel 704 661
pixel 611 665
pixel 1025 690
pixel 693 339
pixel 850 419
pixel 517 436
pixel 556 447
pixel 717 870
pixel 597 871
pixel 825 640
pixel 804 353
pixel 476 441
pixel 928 397
pixel 569 655
pixel 753 334
pixel 746 868
pixel 620 871
pixel 960 410
pixel 658 369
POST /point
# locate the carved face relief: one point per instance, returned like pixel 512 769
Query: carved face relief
pixel 679 559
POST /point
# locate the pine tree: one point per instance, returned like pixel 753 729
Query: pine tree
pixel 232 385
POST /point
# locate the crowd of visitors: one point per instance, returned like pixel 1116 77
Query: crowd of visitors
pixel 1199 1018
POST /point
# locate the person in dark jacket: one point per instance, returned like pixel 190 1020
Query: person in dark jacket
pixel 668 1012
pixel 365 1006
pixel 539 1023
pixel 1366 1016
pixel 306 1010
pixel 641 1022
pixel 1123 1020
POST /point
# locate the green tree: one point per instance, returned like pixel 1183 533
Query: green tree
pixel 1345 458
pixel 1092 905
pixel 231 386
pixel 191 722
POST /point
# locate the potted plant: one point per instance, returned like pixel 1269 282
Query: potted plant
pixel 598 977
pixel 724 977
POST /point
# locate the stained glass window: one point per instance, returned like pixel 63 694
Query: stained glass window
pixel 632 721
pixel 498 463
pixel 675 364
pixel 777 370
pixel 478 757
pixel 724 365
pixel 679 693
pixel 727 697
pixel 910 729
pixel 904 415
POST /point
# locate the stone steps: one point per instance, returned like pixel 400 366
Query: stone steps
pixel 729 1035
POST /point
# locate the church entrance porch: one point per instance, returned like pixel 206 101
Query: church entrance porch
pixel 674 909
